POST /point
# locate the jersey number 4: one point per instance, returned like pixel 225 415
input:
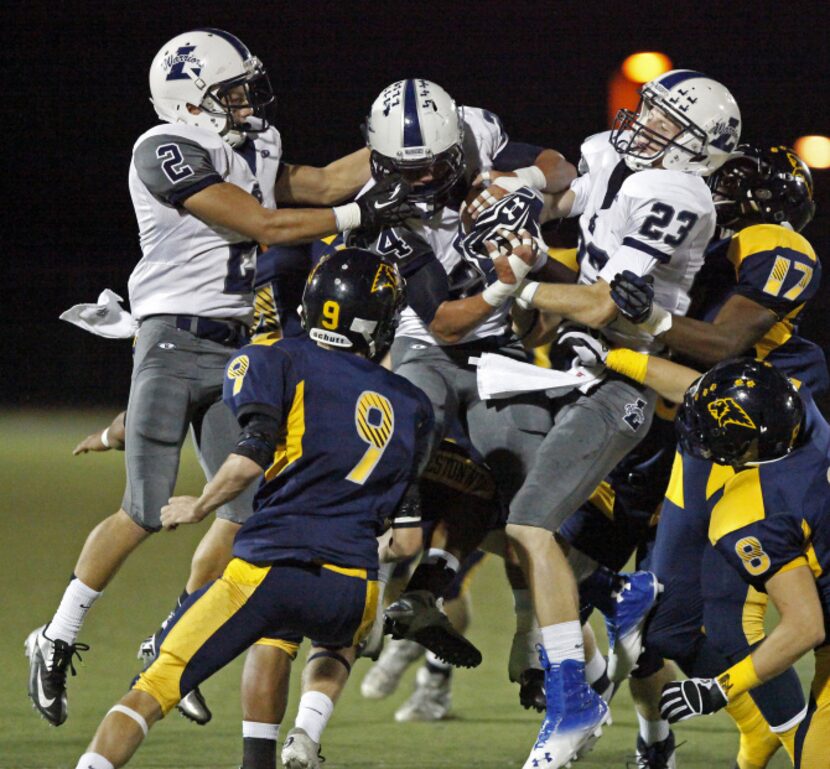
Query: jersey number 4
pixel 374 419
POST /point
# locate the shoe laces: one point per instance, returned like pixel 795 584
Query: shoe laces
pixel 62 657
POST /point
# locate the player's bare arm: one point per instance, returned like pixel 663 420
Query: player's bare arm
pixel 111 437
pixel 325 186
pixel 590 305
pixel 454 319
pixel 229 206
pixel 549 173
pixel 740 323
pixel 235 475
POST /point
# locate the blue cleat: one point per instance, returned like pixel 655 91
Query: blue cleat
pixel 625 627
pixel 573 719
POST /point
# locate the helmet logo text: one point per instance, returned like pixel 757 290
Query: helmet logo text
pixel 177 62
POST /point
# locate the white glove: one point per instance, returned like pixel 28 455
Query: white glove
pixel 589 349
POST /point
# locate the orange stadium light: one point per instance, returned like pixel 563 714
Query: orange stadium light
pixel 814 150
pixel 625 83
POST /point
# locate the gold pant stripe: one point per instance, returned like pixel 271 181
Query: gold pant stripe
pixel 219 603
pixel 369 610
pixel 359 573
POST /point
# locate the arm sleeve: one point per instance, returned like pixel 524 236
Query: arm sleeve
pixel 516 155
pixel 427 286
pixel 174 168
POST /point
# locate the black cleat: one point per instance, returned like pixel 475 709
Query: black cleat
pixel 660 755
pixel 48 663
pixel 415 616
pixel 532 689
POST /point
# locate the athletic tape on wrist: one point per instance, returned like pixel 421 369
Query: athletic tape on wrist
pixel 347 217
pixel 105 438
pixel 532 176
pixel 528 291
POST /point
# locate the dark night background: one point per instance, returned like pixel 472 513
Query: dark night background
pixel 76 98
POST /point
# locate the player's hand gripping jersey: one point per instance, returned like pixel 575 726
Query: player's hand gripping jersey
pixel 654 221
pixel 315 505
pixel 189 267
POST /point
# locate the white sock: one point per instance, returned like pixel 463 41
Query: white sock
pixel 653 731
pixel 260 731
pixel 523 607
pixel 93 761
pixel 313 714
pixel 595 667
pixel 563 641
pixel 76 602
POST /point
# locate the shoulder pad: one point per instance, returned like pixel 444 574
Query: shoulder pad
pixel 767 237
pixel 594 149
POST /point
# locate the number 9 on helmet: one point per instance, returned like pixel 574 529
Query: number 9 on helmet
pixel 352 300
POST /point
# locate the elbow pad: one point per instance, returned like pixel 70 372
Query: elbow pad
pixel 258 440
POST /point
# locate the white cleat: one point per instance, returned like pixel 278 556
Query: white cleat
pixel 383 677
pixel 299 751
pixel 431 699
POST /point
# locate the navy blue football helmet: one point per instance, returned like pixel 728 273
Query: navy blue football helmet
pixel 742 411
pixel 352 300
pixel 763 184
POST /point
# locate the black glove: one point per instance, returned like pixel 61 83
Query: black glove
pixel 589 349
pixel 694 697
pixel 385 204
pixel 633 294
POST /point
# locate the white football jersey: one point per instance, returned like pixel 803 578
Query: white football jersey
pixel 484 138
pixel 655 221
pixel 190 267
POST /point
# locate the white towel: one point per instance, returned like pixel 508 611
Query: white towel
pixel 500 377
pixel 106 318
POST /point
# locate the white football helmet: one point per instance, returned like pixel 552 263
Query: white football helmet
pixel 703 120
pixel 413 129
pixel 200 68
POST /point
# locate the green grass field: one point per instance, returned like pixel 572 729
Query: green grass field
pixel 50 500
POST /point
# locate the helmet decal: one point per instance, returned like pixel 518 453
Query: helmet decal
pixel 176 63
pixel 411 124
pixel 727 411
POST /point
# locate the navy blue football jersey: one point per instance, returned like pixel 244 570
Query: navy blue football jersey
pixel 354 437
pixel 776 515
pixel 778 269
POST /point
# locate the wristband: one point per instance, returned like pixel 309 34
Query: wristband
pixel 658 322
pixel 496 294
pixel 632 364
pixel 532 176
pixel 520 268
pixel 528 291
pixel 740 678
pixel 347 217
pixel 105 438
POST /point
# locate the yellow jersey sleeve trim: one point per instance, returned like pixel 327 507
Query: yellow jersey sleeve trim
pixel 800 560
pixel 674 491
pixel 742 503
pixel 762 238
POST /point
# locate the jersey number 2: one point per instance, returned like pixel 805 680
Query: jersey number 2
pixel 374 419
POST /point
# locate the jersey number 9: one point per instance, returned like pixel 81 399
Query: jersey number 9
pixel 374 419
